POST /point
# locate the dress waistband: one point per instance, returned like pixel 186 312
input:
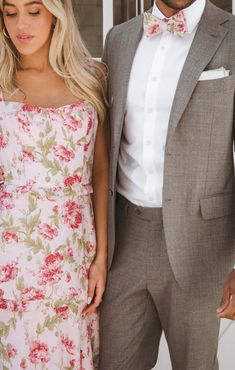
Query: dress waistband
pixel 20 305
pixel 58 190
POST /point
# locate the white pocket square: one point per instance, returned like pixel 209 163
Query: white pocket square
pixel 214 74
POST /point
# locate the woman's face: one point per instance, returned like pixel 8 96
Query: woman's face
pixel 29 25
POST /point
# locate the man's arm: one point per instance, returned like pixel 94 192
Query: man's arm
pixel 227 305
pixel 105 60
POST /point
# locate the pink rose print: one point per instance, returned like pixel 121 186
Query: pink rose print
pixel 8 272
pixel 46 213
pixel 180 27
pixel 63 154
pixel 28 156
pixel 72 215
pixel 177 24
pixel 69 252
pixel 47 232
pixel 13 306
pixel 73 124
pixel 154 29
pixel 23 364
pixel 4 140
pixel 90 248
pixel 72 362
pixel 16 306
pixel 68 344
pixel 9 236
pixel 51 272
pixel 31 108
pixel 85 272
pixel 71 180
pixel 3 304
pixel 39 352
pixel 6 200
pixel 32 294
pixel 56 209
pixel 26 188
pixel 73 292
pixel 62 312
pixel 24 122
pixel 11 351
pixel 68 277
pixel 53 259
pixel 86 147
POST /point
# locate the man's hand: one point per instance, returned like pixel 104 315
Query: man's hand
pixel 227 304
pixel 96 286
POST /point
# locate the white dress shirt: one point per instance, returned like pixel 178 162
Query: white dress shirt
pixel 155 73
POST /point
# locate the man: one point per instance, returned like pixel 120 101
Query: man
pixel 171 92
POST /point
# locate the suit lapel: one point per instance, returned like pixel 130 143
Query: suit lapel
pixel 209 36
pixel 129 46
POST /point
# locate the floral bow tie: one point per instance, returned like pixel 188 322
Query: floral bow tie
pixel 176 25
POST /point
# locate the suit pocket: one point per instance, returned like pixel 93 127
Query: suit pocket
pixel 216 206
pixel 216 85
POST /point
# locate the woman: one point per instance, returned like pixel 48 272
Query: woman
pixel 53 250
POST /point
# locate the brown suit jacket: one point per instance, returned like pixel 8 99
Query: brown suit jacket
pixel 199 186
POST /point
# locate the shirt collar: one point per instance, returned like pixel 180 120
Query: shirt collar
pixel 192 14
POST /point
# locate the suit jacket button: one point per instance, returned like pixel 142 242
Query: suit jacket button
pixel 111 101
pixel 111 192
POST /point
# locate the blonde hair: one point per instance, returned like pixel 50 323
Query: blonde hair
pixel 68 57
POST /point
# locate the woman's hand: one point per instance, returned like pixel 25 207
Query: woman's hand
pixel 96 286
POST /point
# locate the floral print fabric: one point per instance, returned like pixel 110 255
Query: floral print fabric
pixel 47 236
pixel 176 24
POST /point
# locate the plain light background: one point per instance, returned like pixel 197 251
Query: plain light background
pixel 226 351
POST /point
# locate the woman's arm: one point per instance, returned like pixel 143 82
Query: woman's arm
pixel 98 269
pixel 100 194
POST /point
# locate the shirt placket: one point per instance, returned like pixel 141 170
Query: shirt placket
pixel 150 140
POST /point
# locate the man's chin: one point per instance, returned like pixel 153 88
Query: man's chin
pixel 178 4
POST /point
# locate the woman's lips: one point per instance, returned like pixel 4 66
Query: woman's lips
pixel 24 38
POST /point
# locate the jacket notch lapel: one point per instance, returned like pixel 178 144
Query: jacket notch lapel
pixel 129 48
pixel 209 36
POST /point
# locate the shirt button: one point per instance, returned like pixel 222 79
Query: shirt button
pixel 150 172
pixel 163 47
pixel 148 142
pixel 150 110
pixel 154 78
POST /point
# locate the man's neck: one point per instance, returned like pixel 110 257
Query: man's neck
pixel 166 10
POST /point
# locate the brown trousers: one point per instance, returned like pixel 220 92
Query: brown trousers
pixel 143 299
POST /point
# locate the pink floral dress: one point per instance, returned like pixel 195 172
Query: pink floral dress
pixel 47 236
